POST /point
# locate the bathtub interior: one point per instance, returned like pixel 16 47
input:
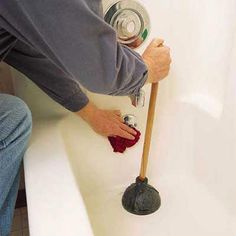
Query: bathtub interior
pixel 189 200
pixel 192 159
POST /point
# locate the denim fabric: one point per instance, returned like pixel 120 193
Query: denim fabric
pixel 15 129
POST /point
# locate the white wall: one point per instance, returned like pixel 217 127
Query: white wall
pixel 195 130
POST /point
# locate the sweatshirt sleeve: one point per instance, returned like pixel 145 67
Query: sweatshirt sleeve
pixel 51 79
pixel 74 36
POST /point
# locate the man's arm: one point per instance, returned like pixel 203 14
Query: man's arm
pixel 63 89
pixel 74 36
pixel 51 79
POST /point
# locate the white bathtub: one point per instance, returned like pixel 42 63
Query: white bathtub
pixel 75 182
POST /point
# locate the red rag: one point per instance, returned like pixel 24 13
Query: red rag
pixel 120 144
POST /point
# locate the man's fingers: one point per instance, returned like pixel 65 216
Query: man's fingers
pixel 165 69
pixel 117 112
pixel 128 129
pixel 157 42
pixel 124 134
pixel 163 49
pixel 164 74
pixel 120 119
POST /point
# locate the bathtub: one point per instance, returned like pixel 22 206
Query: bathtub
pixel 74 181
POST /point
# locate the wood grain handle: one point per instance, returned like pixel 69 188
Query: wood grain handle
pixel 148 133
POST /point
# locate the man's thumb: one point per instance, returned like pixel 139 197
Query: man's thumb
pixel 157 42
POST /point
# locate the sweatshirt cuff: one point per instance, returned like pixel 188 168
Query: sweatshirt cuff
pixel 141 83
pixel 140 75
pixel 75 102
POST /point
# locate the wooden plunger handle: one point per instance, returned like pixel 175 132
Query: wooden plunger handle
pixel 148 133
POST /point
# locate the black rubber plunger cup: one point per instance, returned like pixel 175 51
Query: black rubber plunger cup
pixel 140 198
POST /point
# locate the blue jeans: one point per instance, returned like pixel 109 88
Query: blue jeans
pixel 15 129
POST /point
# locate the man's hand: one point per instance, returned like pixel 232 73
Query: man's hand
pixel 157 58
pixel 106 122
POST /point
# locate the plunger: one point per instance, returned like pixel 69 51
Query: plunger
pixel 140 198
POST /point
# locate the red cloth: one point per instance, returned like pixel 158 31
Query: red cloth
pixel 119 144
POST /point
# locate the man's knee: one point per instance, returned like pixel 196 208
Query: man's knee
pixel 15 120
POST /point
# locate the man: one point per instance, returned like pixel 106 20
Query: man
pixel 59 45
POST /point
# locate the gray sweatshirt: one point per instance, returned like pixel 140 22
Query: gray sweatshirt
pixel 60 44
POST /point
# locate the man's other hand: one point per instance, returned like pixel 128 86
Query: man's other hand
pixel 157 58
